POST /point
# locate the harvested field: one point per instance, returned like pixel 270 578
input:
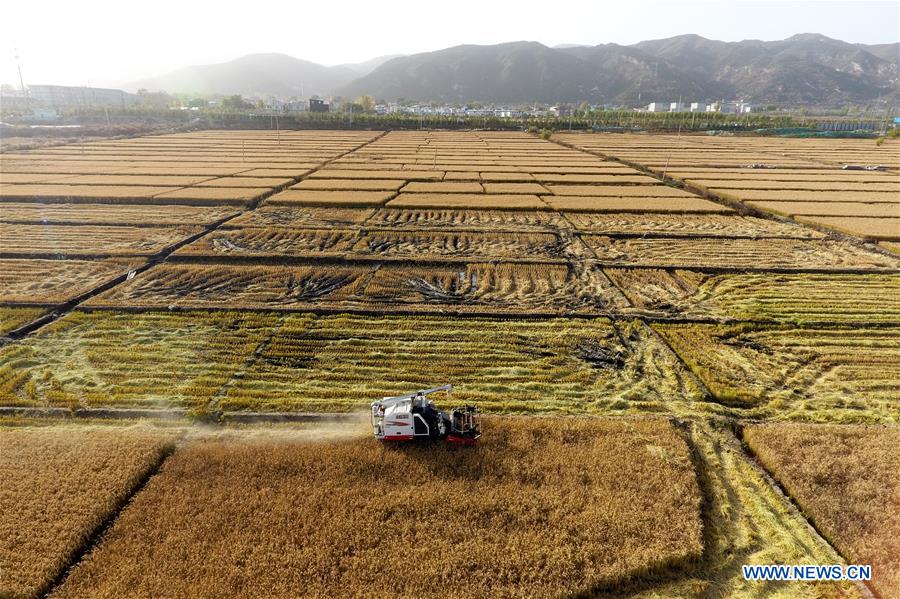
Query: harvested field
pixel 112 214
pixel 462 245
pixel 263 242
pixel 634 205
pixel 494 220
pixel 845 478
pixel 351 184
pixel 468 200
pixel 866 226
pixel 224 515
pixel 688 225
pixel 148 360
pixel 797 298
pixel 757 254
pixel 793 370
pixel 301 216
pixel 304 362
pixel 56 281
pixel 59 484
pixel 13 318
pixel 330 198
pixel 884 210
pixel 88 240
pixel 555 365
pixel 467 288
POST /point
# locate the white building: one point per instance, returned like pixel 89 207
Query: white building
pixel 698 106
pixel 677 107
pixel 657 107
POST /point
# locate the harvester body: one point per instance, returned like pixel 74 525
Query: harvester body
pixel 414 417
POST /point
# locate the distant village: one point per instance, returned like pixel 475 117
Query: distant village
pixel 48 101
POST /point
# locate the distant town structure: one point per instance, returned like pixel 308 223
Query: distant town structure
pixel 720 107
pixel 64 96
pixel 318 106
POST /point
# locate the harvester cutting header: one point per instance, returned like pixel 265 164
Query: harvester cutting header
pixel 414 417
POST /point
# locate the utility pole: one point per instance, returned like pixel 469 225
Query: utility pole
pixel 21 80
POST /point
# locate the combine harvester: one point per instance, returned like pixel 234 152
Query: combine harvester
pixel 414 417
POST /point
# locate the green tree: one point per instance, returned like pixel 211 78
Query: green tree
pixel 366 103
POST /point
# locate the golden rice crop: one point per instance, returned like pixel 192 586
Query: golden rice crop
pixel 443 187
pixel 493 220
pixel 853 373
pixel 831 208
pixel 107 214
pixel 295 361
pixel 799 298
pixel 351 184
pixel 864 226
pixel 56 281
pixel 80 192
pixel 89 240
pixel 13 318
pixel 845 478
pixel 799 254
pixel 478 201
pixel 311 197
pixel 639 205
pixel 686 225
pixel 301 216
pixel 599 503
pixel 58 485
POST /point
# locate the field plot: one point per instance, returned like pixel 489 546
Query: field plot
pixel 846 480
pixel 777 175
pixel 88 240
pixel 745 254
pixel 13 318
pixel 477 201
pixel 602 502
pixel 634 205
pixel 687 225
pixel 850 373
pixel 464 288
pixel 310 197
pixel 262 361
pixel 495 220
pixel 247 242
pixel 147 360
pixel 797 298
pixel 112 214
pixel 867 226
pixel 834 209
pixel 301 216
pixel 56 281
pixel 59 484
pixel 555 365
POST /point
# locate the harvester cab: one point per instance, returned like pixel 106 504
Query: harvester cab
pixel 414 417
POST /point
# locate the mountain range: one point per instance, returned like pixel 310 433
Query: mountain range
pixel 806 69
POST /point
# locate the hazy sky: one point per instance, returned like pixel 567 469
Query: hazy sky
pixel 105 42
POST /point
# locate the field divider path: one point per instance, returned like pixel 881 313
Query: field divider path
pixel 96 535
pixel 161 256
pixel 742 208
